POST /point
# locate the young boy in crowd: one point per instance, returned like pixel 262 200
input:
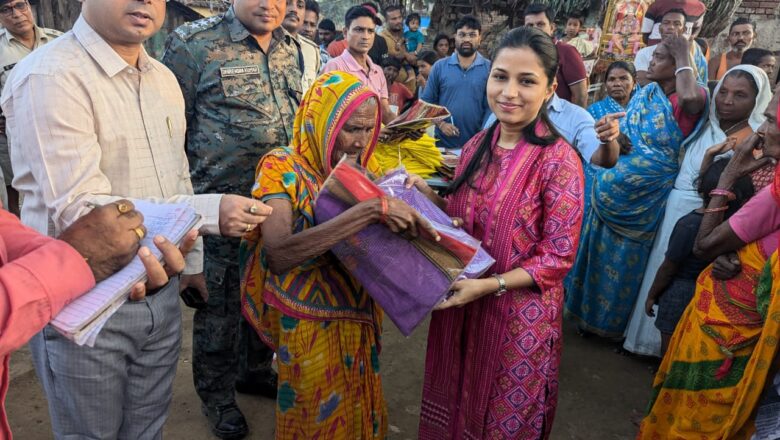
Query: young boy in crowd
pixel 398 94
pixel 675 281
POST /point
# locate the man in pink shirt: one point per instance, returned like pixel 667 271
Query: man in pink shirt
pixel 361 23
pixel 39 275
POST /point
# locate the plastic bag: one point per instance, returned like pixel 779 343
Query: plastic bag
pixel 406 277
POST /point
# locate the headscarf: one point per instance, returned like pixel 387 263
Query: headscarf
pixel 321 116
pixel 713 134
pixel 762 98
pixel 324 110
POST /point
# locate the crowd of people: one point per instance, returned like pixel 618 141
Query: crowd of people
pixel 649 217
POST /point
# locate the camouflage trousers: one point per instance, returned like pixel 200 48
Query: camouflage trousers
pixel 225 348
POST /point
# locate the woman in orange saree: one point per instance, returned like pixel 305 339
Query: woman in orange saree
pixel 724 350
pixel 323 326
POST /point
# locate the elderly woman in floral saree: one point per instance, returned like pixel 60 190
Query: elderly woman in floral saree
pixel 628 199
pixel 724 350
pixel 621 86
pixel 304 304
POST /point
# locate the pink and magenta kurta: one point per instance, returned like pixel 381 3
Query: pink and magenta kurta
pixel 492 366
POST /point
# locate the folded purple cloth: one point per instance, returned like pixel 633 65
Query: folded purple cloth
pixel 406 277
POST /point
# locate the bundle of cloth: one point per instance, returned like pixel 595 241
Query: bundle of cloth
pixel 406 276
pixel 420 157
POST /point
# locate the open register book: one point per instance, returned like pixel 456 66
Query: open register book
pixel 82 319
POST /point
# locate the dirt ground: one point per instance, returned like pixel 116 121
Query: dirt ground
pixel 601 392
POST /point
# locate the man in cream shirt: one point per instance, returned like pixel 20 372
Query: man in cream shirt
pixel 93 119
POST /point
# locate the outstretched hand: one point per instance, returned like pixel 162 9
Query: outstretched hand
pixel 608 127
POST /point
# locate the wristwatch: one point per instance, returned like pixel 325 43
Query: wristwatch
pixel 501 284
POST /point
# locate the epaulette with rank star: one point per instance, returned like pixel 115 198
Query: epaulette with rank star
pixel 188 30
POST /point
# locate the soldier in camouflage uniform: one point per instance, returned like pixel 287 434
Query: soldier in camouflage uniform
pixel 240 76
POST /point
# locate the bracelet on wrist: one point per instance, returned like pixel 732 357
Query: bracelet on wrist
pixel 683 69
pixel 712 210
pixel 501 284
pixel 729 195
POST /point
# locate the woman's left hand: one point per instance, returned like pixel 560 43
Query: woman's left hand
pixel 466 291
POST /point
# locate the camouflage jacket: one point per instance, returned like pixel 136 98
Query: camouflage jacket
pixel 240 102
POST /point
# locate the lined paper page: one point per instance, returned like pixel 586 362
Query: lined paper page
pixel 83 318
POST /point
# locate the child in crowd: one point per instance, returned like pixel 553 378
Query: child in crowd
pixel 425 61
pixel 414 38
pixel 675 281
pixel 398 94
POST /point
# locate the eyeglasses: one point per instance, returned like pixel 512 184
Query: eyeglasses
pixel 7 11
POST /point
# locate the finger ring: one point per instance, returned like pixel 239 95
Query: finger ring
pixel 139 231
pixel 253 209
pixel 249 227
pixel 122 207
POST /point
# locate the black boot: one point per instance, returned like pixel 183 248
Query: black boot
pixel 265 387
pixel 226 421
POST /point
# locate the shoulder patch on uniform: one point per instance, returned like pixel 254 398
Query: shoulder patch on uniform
pixel 188 30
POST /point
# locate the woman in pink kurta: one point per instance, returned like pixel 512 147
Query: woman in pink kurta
pixel 494 346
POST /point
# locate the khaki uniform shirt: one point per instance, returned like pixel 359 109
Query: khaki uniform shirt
pixel 11 52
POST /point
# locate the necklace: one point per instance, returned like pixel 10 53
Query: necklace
pixel 733 127
pixel 398 41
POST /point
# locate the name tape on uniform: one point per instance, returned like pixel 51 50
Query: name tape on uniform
pixel 240 70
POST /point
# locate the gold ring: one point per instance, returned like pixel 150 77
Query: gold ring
pixel 122 207
pixel 139 231
pixel 249 227
pixel 253 209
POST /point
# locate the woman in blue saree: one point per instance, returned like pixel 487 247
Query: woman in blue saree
pixel 628 200
pixel 620 85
